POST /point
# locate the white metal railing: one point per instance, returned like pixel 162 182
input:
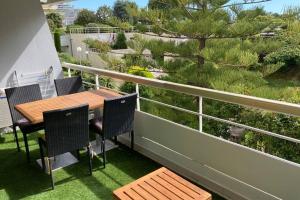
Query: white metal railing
pixel 104 29
pixel 244 100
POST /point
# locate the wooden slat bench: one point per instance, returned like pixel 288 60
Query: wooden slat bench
pixel 161 184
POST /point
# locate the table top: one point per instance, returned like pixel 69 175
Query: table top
pixel 33 111
pixel 161 184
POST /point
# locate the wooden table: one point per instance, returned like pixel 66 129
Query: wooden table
pixel 161 184
pixel 33 111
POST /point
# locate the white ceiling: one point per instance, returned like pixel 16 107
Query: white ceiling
pixel 52 1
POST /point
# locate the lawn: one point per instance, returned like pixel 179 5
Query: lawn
pixel 19 180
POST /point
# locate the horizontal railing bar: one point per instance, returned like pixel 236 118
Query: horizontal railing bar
pixel 88 83
pixel 170 106
pixel 226 121
pixel 114 90
pixel 244 100
pixel 213 118
pixel 253 129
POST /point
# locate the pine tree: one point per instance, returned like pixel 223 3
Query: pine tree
pixel 204 20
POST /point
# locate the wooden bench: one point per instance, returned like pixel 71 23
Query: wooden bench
pixel 161 184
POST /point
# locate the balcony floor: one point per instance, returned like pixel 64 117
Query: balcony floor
pixel 27 181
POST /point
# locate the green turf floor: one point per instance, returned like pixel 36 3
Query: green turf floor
pixel 19 180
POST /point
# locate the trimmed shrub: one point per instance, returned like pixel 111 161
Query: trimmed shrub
pixel 57 41
pixel 120 42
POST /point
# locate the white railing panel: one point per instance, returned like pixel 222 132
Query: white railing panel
pixel 247 172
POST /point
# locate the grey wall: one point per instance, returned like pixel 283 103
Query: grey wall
pixel 26 46
pixel 26 43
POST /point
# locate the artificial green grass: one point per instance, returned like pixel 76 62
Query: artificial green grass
pixel 20 180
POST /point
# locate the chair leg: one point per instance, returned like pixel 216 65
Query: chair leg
pixel 116 140
pixel 132 140
pixel 16 138
pixel 42 154
pixel 78 154
pixel 103 152
pixel 90 159
pixel 26 147
pixel 51 174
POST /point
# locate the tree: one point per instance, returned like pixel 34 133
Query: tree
pixel 103 14
pixel 204 20
pixel 120 10
pixel 55 18
pixel 85 17
pixel 157 4
pixel 51 25
pixel 125 12
pixel 132 10
pixel 54 21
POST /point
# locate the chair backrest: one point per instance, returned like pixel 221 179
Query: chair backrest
pixel 68 85
pixel 19 95
pixel 118 115
pixel 66 130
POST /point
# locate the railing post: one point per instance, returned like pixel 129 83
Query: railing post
pixel 200 111
pixel 69 72
pixel 97 81
pixel 137 90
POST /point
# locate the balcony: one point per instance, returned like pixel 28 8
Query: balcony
pixel 233 170
pixel 227 168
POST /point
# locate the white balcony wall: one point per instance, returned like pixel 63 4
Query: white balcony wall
pixel 232 170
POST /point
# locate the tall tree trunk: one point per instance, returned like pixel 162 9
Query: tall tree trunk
pixel 202 44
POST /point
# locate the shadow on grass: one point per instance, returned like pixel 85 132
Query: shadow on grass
pixel 130 166
pixel 2 139
pixel 131 162
pixel 18 178
pixel 96 183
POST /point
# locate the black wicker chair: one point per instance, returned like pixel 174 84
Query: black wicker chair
pixel 19 95
pixel 66 130
pixel 118 117
pixel 68 85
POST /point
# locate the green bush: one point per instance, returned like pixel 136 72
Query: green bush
pixel 142 28
pixel 57 41
pixel 130 87
pixel 65 57
pixel 102 47
pixel 290 55
pixel 120 42
pixel 140 71
pixel 97 25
